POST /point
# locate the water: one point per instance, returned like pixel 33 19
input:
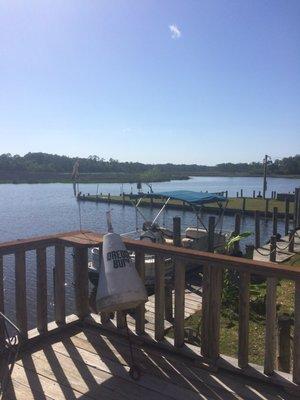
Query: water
pixel 39 209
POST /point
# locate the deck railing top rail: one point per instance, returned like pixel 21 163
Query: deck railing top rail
pixel 90 239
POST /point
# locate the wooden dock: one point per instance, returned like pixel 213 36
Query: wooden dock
pixel 244 205
pixel 193 303
pixel 282 252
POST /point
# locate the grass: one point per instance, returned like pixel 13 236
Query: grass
pixel 229 322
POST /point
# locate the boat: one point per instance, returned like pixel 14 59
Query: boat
pixel 194 237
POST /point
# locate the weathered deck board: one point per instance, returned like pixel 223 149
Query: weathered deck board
pixel 87 364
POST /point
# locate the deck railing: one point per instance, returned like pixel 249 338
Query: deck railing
pixel 213 266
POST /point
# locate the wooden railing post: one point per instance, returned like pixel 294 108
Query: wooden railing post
pixel 59 285
pixel 296 348
pixel 205 310
pixel 159 297
pixel 169 287
pixel 80 269
pixel 41 290
pixel 140 311
pixel 284 343
pixel 2 332
pixel 215 308
pixel 211 307
pixel 169 302
pixel 179 302
pixel 271 318
pixel 243 349
pixel 20 291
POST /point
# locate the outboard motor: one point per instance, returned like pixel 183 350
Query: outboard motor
pixel 119 285
pixel 151 233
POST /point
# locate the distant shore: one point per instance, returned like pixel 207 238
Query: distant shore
pixel 61 177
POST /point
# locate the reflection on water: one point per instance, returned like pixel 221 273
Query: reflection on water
pixel 38 209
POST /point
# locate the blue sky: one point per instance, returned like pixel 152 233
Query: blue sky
pixel 189 81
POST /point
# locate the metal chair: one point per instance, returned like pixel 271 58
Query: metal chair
pixel 9 350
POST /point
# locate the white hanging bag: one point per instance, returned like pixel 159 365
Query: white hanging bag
pixel 119 286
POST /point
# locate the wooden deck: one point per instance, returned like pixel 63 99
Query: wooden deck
pixel 91 361
pixel 85 363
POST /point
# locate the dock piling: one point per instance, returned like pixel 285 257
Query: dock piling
pixel 177 231
pixel 237 230
pixel 267 208
pixel 257 229
pixel 244 204
pixel 291 241
pixel 211 234
pixel 287 217
pixel 275 220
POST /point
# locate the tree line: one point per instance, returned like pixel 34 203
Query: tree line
pixel 47 163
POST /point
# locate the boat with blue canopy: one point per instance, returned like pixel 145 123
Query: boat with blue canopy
pixel 195 237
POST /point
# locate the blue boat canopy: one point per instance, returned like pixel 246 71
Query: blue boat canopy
pixel 189 196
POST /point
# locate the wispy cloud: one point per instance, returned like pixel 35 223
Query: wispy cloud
pixel 175 32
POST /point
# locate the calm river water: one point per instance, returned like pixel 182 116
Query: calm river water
pixel 38 209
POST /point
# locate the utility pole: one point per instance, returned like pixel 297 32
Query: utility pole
pixel 265 164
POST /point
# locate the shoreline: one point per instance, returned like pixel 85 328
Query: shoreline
pixel 118 178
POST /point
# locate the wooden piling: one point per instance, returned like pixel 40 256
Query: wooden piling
pixel 257 229
pixel 291 240
pixel 287 217
pixel 266 208
pixel 177 231
pixel 211 234
pixel 273 248
pixel 242 193
pixel 249 251
pixel 254 194
pixel 275 220
pixel 244 204
pixel 296 206
pixel 298 210
pixel 237 230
